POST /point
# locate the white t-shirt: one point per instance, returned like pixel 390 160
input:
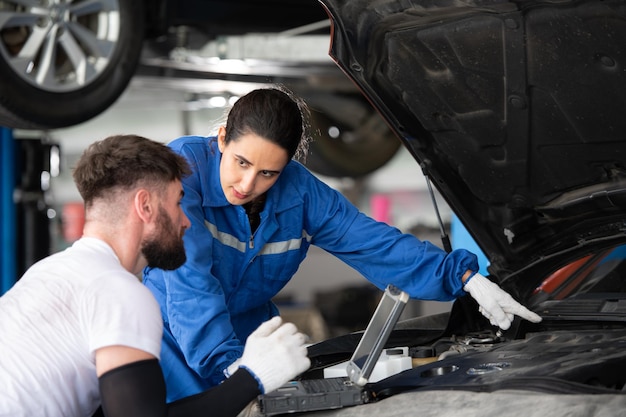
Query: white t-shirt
pixel 53 320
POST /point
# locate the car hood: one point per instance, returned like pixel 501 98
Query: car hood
pixel 513 109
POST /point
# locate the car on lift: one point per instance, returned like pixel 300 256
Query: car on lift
pixel 514 111
pixel 64 62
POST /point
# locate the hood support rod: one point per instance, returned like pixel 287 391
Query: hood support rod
pixel 445 240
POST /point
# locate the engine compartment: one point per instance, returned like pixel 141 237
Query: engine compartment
pixel 559 361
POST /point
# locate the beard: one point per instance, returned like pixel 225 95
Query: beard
pixel 165 249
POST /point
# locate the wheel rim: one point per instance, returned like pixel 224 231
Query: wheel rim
pixel 59 45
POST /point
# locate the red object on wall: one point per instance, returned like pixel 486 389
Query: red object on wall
pixel 381 208
pixel 73 218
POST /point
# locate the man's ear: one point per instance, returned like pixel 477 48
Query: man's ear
pixel 144 205
pixel 221 138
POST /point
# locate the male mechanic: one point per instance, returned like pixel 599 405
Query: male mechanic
pixel 79 330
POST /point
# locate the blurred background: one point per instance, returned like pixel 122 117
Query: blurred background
pixel 193 60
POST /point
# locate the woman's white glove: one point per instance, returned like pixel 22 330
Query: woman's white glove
pixel 496 304
pixel 275 353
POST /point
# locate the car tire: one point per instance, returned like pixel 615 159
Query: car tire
pixel 350 139
pixel 91 52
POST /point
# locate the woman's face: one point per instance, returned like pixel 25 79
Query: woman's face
pixel 250 166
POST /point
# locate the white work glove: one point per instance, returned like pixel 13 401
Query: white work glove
pixel 496 304
pixel 232 368
pixel 275 353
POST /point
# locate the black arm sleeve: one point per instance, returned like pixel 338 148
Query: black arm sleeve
pixel 224 400
pixel 136 389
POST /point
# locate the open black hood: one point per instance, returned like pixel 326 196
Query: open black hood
pixel 516 110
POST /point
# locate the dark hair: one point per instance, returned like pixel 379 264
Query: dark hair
pixel 274 114
pixel 125 161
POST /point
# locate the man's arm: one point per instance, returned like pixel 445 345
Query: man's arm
pixel 224 400
pixel 110 357
pixel 131 382
pixel 138 390
pixel 274 354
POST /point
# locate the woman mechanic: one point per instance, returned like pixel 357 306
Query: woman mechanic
pixel 254 213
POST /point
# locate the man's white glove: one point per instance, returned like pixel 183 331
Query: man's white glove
pixel 496 304
pixel 275 353
pixel 232 368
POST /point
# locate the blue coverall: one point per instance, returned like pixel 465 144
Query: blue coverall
pixel 223 292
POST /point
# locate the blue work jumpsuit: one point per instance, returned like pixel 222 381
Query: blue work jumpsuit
pixel 223 292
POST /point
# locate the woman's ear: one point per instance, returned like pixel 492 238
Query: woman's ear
pixel 221 138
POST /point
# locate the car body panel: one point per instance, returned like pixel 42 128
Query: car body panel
pixel 510 403
pixel 513 109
